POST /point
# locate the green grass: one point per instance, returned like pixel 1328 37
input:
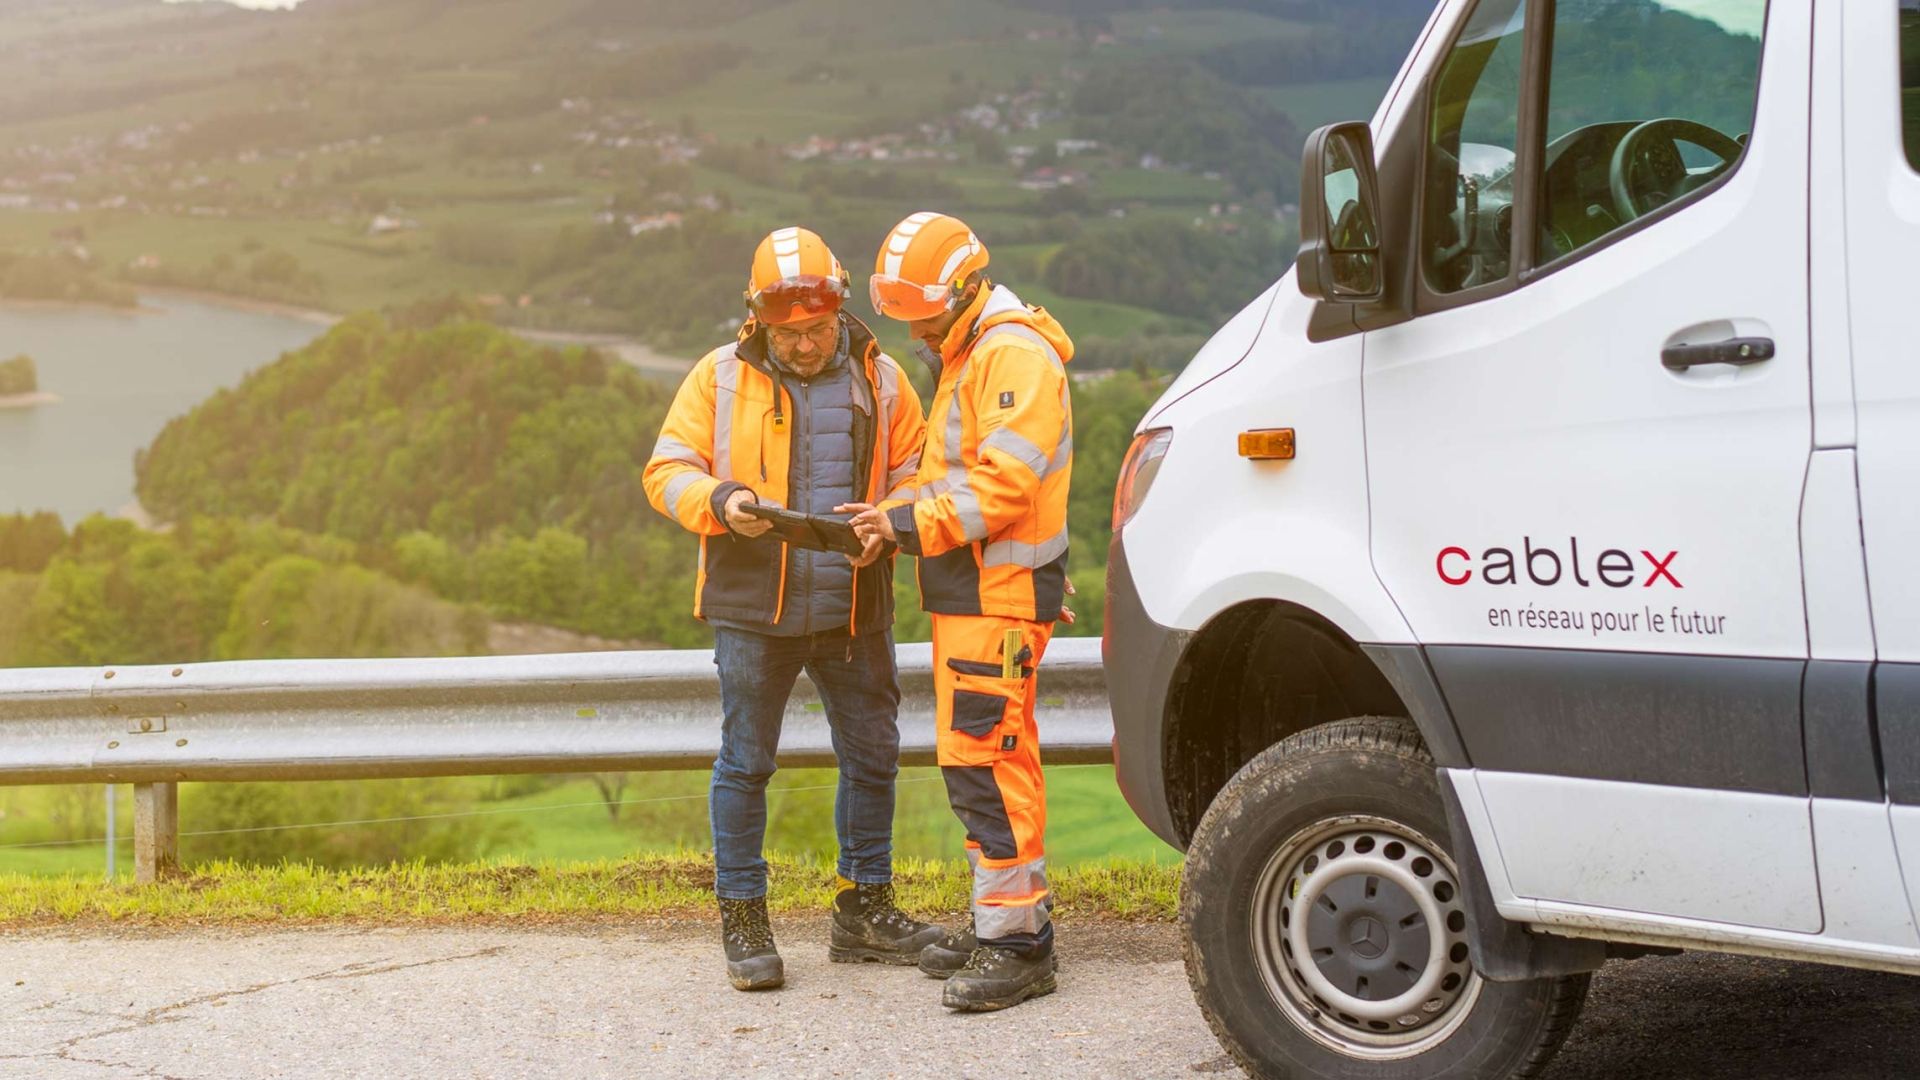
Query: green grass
pixel 637 886
pixel 1088 821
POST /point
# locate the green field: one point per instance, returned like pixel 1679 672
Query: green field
pixel 1088 821
pixel 293 130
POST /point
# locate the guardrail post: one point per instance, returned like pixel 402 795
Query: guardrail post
pixel 156 831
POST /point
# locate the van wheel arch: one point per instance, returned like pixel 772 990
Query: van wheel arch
pixel 1263 670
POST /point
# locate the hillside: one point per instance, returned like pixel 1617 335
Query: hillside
pixel 607 164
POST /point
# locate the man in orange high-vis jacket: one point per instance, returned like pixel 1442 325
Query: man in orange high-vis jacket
pixel 802 411
pixel 987 518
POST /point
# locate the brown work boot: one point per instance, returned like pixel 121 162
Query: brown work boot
pixel 951 953
pixel 997 977
pixel 869 927
pixel 753 963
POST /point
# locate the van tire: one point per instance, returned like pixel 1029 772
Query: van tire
pixel 1363 781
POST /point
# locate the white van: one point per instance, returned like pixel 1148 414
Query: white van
pixel 1532 576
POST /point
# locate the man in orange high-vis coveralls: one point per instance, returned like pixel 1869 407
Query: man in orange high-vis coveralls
pixel 988 521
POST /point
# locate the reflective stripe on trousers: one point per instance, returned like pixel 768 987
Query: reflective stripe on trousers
pixel 1008 901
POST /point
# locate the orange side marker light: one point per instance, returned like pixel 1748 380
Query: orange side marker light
pixel 1271 444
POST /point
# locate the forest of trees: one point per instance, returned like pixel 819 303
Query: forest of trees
pixel 416 476
pixel 209 589
pixel 18 376
pixel 62 278
pixel 1165 265
pixel 1189 116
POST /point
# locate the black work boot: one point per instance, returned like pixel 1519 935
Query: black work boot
pixel 950 953
pixel 752 961
pixel 997 977
pixel 869 926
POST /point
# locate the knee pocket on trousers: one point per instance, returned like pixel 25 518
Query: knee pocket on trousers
pixel 979 706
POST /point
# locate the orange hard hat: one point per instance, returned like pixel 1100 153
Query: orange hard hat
pixel 795 277
pixel 923 267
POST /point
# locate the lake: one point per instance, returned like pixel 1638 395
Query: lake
pixel 120 377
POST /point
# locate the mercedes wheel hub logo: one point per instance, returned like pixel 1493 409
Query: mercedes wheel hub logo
pixel 1367 937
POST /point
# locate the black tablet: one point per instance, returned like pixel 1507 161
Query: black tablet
pixel 812 531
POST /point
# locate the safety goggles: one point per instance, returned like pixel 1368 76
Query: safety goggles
pixel 804 296
pixel 898 298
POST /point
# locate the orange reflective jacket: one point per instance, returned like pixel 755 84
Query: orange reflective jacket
pixel 730 427
pixel 988 514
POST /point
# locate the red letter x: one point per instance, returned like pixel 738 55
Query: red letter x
pixel 1660 569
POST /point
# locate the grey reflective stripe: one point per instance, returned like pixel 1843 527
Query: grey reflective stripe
pixel 967 505
pixel 900 480
pixel 889 392
pixel 1064 451
pixel 1009 901
pixel 673 449
pixel 1016 553
pixel 904 491
pixel 678 486
pixel 955 432
pixel 1020 448
pixel 726 377
pixel 1025 333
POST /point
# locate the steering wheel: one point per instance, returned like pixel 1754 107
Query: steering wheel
pixel 1675 129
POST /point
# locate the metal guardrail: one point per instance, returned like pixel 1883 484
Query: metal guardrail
pixel 154 727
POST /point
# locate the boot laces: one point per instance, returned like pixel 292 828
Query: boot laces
pixel 881 910
pixel 746 923
pixel 986 958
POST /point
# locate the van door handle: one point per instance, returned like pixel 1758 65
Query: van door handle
pixel 1739 352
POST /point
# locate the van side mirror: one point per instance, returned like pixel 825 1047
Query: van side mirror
pixel 1339 257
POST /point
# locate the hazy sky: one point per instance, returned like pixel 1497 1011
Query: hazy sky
pixel 1736 16
pixel 244 3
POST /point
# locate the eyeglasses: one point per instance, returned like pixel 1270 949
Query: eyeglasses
pixel 823 335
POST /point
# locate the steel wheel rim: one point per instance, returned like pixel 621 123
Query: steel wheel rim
pixel 1337 947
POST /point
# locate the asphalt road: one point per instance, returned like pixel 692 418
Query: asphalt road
pixel 603 1001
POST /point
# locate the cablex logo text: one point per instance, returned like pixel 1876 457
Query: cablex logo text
pixel 1544 565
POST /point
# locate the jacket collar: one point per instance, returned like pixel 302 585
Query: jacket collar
pixel 992 305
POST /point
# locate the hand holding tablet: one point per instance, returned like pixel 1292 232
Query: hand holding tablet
pixel 815 532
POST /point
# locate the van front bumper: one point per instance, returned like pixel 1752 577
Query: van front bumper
pixel 1141 659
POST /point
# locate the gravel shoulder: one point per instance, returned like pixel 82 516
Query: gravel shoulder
pixel 647 999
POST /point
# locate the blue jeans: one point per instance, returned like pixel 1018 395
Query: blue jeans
pixel 859 687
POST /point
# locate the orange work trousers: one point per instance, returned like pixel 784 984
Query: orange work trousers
pixel 989 752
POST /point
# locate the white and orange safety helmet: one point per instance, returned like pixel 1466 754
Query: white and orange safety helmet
pixel 922 268
pixel 795 276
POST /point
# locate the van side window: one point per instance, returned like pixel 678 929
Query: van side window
pixel 1647 102
pixel 1910 77
pixel 1467 203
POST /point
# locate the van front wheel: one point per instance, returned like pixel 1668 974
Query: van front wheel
pixel 1325 928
